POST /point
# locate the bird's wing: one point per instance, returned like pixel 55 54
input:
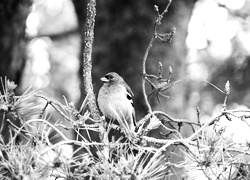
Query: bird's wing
pixel 128 89
pixel 130 96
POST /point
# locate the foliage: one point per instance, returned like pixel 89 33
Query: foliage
pixel 210 151
pixel 38 158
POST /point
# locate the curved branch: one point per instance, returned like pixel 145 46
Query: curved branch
pixel 144 78
pixel 154 36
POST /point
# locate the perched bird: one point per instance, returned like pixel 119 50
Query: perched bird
pixel 115 101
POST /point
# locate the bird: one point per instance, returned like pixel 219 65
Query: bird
pixel 115 101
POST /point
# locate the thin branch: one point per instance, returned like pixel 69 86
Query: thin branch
pixel 173 119
pixel 55 105
pixel 37 120
pixel 154 36
pixel 144 78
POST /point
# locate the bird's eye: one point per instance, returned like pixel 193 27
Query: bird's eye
pixel 109 77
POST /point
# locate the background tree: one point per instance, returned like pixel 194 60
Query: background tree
pixel 13 45
pixel 12 38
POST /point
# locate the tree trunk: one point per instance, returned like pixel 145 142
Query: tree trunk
pixel 13 14
pixel 12 37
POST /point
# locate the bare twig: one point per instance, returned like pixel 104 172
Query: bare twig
pixel 155 35
pixel 144 72
pixel 173 119
pixel 56 106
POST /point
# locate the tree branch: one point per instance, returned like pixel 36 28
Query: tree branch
pixel 164 38
pixel 87 61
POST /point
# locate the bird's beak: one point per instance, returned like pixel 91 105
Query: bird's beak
pixel 103 79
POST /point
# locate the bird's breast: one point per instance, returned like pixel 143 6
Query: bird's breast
pixel 115 105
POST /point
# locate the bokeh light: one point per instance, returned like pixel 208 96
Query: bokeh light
pixel 32 24
pixel 214 28
pixel 39 53
pixel 53 64
pixel 232 4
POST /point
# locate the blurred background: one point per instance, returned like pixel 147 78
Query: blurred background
pixel 41 46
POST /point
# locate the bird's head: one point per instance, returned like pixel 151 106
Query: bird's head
pixel 112 78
